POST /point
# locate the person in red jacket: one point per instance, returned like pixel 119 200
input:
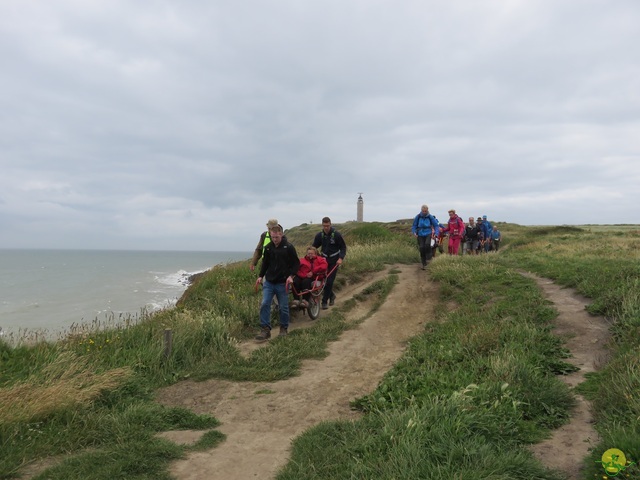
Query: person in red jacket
pixel 455 228
pixel 311 266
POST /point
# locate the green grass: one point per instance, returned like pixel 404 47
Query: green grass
pixel 108 376
pixel 468 395
pixel 443 438
pixel 602 263
pixel 100 435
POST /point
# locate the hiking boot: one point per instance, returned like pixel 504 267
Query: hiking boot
pixel 295 304
pixel 265 334
pixel 324 305
pixel 332 300
pixel 304 304
pixel 283 332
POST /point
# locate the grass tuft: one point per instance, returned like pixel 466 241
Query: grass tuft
pixel 67 383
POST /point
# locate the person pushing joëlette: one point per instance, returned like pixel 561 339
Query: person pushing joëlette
pixel 334 249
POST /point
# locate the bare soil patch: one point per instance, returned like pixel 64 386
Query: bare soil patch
pixel 587 337
pixel 260 427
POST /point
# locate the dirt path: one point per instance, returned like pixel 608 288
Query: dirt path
pixel 587 336
pixel 260 427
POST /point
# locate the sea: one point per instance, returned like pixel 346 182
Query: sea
pixel 50 292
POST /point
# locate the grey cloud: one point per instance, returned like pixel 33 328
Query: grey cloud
pixel 185 116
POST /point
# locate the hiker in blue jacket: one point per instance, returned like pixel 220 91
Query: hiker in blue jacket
pixel 487 228
pixel 496 237
pixel 424 229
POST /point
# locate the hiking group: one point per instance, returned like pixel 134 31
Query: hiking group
pixel 281 268
pixel 475 237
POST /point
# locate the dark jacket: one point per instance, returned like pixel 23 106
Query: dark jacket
pixel 331 245
pixel 471 233
pixel 279 262
pixel 257 253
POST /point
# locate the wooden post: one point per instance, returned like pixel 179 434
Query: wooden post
pixel 168 342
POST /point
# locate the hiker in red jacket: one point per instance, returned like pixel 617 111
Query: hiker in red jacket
pixel 312 265
pixel 455 228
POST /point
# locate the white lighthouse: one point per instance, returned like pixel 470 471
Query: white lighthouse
pixel 360 216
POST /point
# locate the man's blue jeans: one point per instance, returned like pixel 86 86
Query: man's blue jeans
pixel 268 291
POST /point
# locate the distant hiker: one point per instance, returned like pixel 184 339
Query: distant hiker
pixel 424 229
pixel 437 243
pixel 312 266
pixel 265 239
pixel 279 264
pixel 440 239
pixel 470 245
pixel 481 238
pixel 486 229
pixel 496 237
pixel 333 250
pixel 455 228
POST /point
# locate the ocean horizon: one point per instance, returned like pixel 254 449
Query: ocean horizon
pixel 49 292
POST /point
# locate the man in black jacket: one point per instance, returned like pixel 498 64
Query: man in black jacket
pixel 279 264
pixel 334 250
pixel 471 242
pixel 265 238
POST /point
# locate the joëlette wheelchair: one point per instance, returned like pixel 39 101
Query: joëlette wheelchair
pixel 314 292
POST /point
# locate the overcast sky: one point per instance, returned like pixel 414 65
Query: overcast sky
pixel 187 125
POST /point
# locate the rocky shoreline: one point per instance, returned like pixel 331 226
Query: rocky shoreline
pixel 193 278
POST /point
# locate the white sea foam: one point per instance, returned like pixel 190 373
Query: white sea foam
pixel 52 290
pixel 181 278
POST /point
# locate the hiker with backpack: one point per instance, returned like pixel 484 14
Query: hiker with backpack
pixel 487 229
pixel 496 237
pixel 279 265
pixel 424 229
pixel 334 249
pixel 455 228
pixel 265 239
pixel 471 242
pixel 481 238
